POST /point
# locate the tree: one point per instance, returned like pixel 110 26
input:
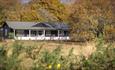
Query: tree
pixel 39 10
pixel 89 17
pixel 6 5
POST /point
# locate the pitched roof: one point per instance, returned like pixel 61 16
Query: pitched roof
pixel 37 25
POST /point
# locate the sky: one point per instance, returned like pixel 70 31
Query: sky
pixel 63 1
pixel 25 1
pixel 67 1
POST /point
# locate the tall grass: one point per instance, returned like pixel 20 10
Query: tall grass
pixel 102 59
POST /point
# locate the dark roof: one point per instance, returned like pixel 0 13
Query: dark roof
pixel 37 25
pixel 58 25
pixel 42 25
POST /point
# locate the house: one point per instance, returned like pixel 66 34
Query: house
pixel 35 30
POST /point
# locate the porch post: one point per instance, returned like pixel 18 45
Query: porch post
pixel 44 34
pixel 58 34
pixel 14 33
pixel 29 33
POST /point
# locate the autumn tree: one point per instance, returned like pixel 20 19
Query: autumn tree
pixel 39 10
pixel 87 18
pixel 6 5
pixel 53 8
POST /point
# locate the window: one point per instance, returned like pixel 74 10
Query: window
pixel 54 33
pixel 66 33
pixel 33 33
pixel 61 33
pixel 26 33
pixel 19 32
pixel 48 33
pixel 40 33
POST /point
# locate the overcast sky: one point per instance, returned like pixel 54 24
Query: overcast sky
pixel 67 1
pixel 63 1
pixel 25 1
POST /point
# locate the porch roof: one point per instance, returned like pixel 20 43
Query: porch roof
pixel 37 25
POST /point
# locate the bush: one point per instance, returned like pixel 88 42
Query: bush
pixel 54 60
pixel 11 35
pixel 2 57
pixel 102 59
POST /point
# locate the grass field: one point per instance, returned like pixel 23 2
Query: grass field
pixel 25 55
pixel 79 48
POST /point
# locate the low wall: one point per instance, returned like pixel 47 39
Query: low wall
pixel 42 38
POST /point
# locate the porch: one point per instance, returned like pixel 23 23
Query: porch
pixel 41 34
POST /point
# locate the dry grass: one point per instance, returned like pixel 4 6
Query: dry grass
pixel 85 49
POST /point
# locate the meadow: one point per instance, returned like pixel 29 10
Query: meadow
pixel 56 55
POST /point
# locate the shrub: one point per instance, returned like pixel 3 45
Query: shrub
pixel 102 59
pixel 2 57
pixel 11 35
